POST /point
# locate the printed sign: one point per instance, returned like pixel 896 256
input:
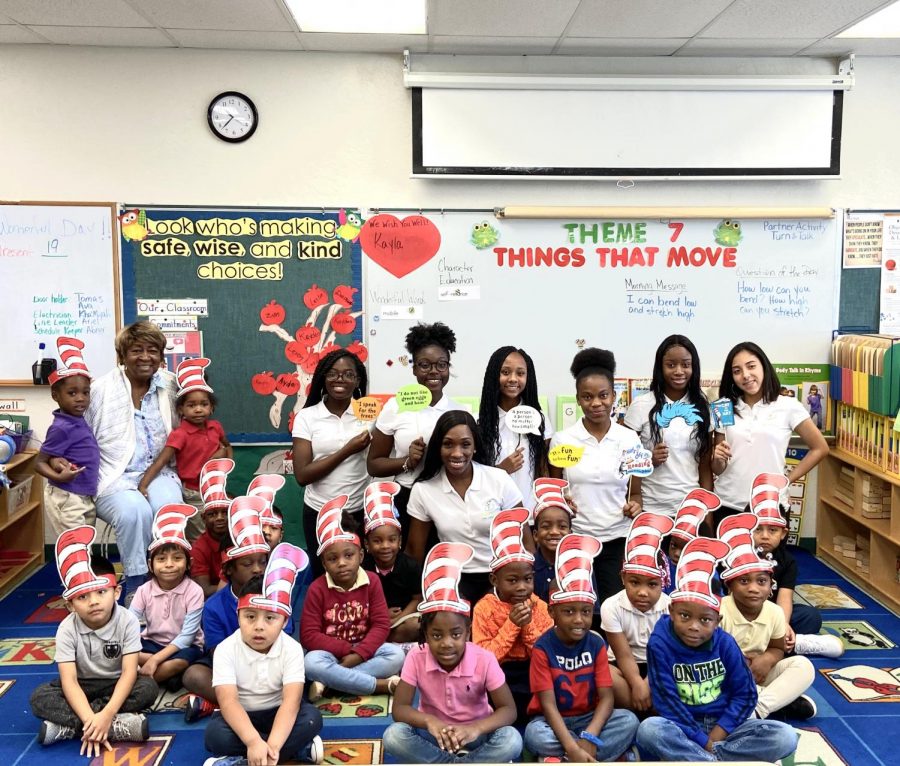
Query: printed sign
pixel 723 412
pixel 565 455
pixel 413 398
pixel 636 461
pixel 524 420
pixel 367 409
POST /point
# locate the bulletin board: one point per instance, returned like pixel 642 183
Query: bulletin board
pixel 263 293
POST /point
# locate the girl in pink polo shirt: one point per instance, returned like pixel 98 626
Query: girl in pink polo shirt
pixel 457 680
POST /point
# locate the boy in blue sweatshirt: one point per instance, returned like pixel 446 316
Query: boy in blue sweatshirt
pixel 701 686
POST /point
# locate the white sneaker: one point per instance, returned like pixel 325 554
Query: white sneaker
pixel 129 727
pixel 823 644
pixel 316 750
pixel 316 690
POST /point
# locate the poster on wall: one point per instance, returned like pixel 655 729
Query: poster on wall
pixel 862 240
pixel 797 494
pixel 889 313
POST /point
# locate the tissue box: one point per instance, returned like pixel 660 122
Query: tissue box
pixel 14 497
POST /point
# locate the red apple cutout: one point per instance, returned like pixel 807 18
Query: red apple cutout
pixel 308 335
pixel 359 350
pixel 343 323
pixel 315 297
pixel 343 295
pixel 263 383
pixel 287 383
pixel 296 352
pixel 890 265
pixel 328 349
pixel 308 365
pixel 272 313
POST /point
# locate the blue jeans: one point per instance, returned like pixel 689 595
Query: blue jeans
pixel 617 734
pixel 756 739
pixel 221 740
pixel 411 745
pixel 324 667
pixel 131 515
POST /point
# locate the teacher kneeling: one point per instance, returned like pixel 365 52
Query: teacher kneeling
pixel 131 413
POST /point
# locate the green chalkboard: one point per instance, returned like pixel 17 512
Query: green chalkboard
pixel 263 293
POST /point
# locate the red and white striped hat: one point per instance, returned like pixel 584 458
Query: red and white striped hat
pixel 212 483
pixel 694 573
pixel 266 485
pixel 73 562
pixel 737 532
pixel 575 568
pixel 245 527
pixel 506 538
pixel 72 362
pixel 696 504
pixel 169 526
pixel 190 374
pixel 644 541
pixel 278 582
pixel 765 496
pixel 378 505
pixel 550 493
pixel 328 525
pixel 440 578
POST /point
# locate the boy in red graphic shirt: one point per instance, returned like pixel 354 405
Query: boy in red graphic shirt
pixel 345 622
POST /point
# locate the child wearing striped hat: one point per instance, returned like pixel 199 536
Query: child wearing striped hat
pixel 552 522
pixel 206 550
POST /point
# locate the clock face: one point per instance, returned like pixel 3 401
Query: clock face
pixel 232 116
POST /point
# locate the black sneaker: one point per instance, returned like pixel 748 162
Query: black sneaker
pixel 801 709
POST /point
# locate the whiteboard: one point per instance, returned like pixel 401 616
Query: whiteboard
pixel 778 286
pixel 59 275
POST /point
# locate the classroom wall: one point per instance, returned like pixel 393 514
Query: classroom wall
pixel 335 129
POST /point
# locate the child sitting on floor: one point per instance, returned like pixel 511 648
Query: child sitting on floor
pixel 690 522
pixel 552 522
pixel 206 566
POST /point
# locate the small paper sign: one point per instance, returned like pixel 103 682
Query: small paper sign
pixel 671 410
pixel 565 455
pixel 367 409
pixel 723 412
pixel 413 398
pixel 636 461
pixel 524 420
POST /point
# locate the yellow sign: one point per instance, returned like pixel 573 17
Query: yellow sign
pixel 565 455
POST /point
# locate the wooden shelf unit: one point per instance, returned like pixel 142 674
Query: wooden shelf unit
pixel 23 530
pixel 835 517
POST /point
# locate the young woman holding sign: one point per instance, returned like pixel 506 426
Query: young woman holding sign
pixel 673 422
pixel 400 438
pixel 510 381
pixel 330 443
pixel 605 507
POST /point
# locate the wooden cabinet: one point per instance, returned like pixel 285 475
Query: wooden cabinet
pixel 21 522
pixel 849 488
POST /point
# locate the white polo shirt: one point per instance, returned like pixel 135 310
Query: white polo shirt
pixel 465 520
pixel 595 484
pixel 405 427
pixel 508 442
pixel 618 615
pixel 758 441
pixel 327 433
pixel 665 488
pixel 260 678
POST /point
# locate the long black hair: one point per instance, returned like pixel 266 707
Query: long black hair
pixel 317 384
pixel 771 386
pixel 432 462
pixel 695 394
pixel 488 415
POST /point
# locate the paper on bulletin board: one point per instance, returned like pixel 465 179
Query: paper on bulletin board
pixel 863 240
pixel 889 310
pixel 797 495
pixel 181 346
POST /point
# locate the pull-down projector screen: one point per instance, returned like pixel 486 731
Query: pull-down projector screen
pixel 620 134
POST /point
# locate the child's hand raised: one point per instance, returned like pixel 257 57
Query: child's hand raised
pixel 520 614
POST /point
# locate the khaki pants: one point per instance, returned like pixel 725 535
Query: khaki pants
pixel 66 510
pixel 786 681
pixel 195 525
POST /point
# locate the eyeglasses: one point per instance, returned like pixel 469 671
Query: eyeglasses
pixel 348 375
pixel 423 365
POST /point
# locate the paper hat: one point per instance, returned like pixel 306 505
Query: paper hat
pixel 765 496
pixel 550 493
pixel 190 376
pixel 72 362
pixel 574 569
pixel 378 505
pixel 694 573
pixel 265 486
pixel 73 562
pixel 440 578
pixel 278 582
pixel 212 483
pixel 506 538
pixel 696 504
pixel 245 527
pixel 643 545
pixel 737 532
pixel 169 526
pixel 328 525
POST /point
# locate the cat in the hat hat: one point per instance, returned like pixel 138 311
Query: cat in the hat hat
pixel 266 485
pixel 206 552
pixel 551 522
pixel 692 519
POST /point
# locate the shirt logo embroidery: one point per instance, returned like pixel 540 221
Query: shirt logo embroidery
pixel 112 650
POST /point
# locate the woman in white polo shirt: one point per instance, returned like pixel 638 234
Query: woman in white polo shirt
pixel 763 422
pixel 457 495
pixel 605 508
pixel 330 443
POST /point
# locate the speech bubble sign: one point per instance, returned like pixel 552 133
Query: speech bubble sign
pixel 367 409
pixel 723 412
pixel 636 461
pixel 413 398
pixel 565 455
pixel 524 420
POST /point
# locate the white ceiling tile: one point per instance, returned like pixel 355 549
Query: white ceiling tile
pixel 507 18
pixel 773 19
pixel 79 13
pixel 250 41
pixel 863 47
pixel 363 43
pixel 619 46
pixel 486 45
pixel 114 36
pixel 643 18
pixel 259 15
pixel 11 33
pixel 743 47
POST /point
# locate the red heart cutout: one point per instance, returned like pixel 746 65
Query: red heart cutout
pixel 399 247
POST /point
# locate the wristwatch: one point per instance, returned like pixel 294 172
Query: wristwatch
pixel 592 738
